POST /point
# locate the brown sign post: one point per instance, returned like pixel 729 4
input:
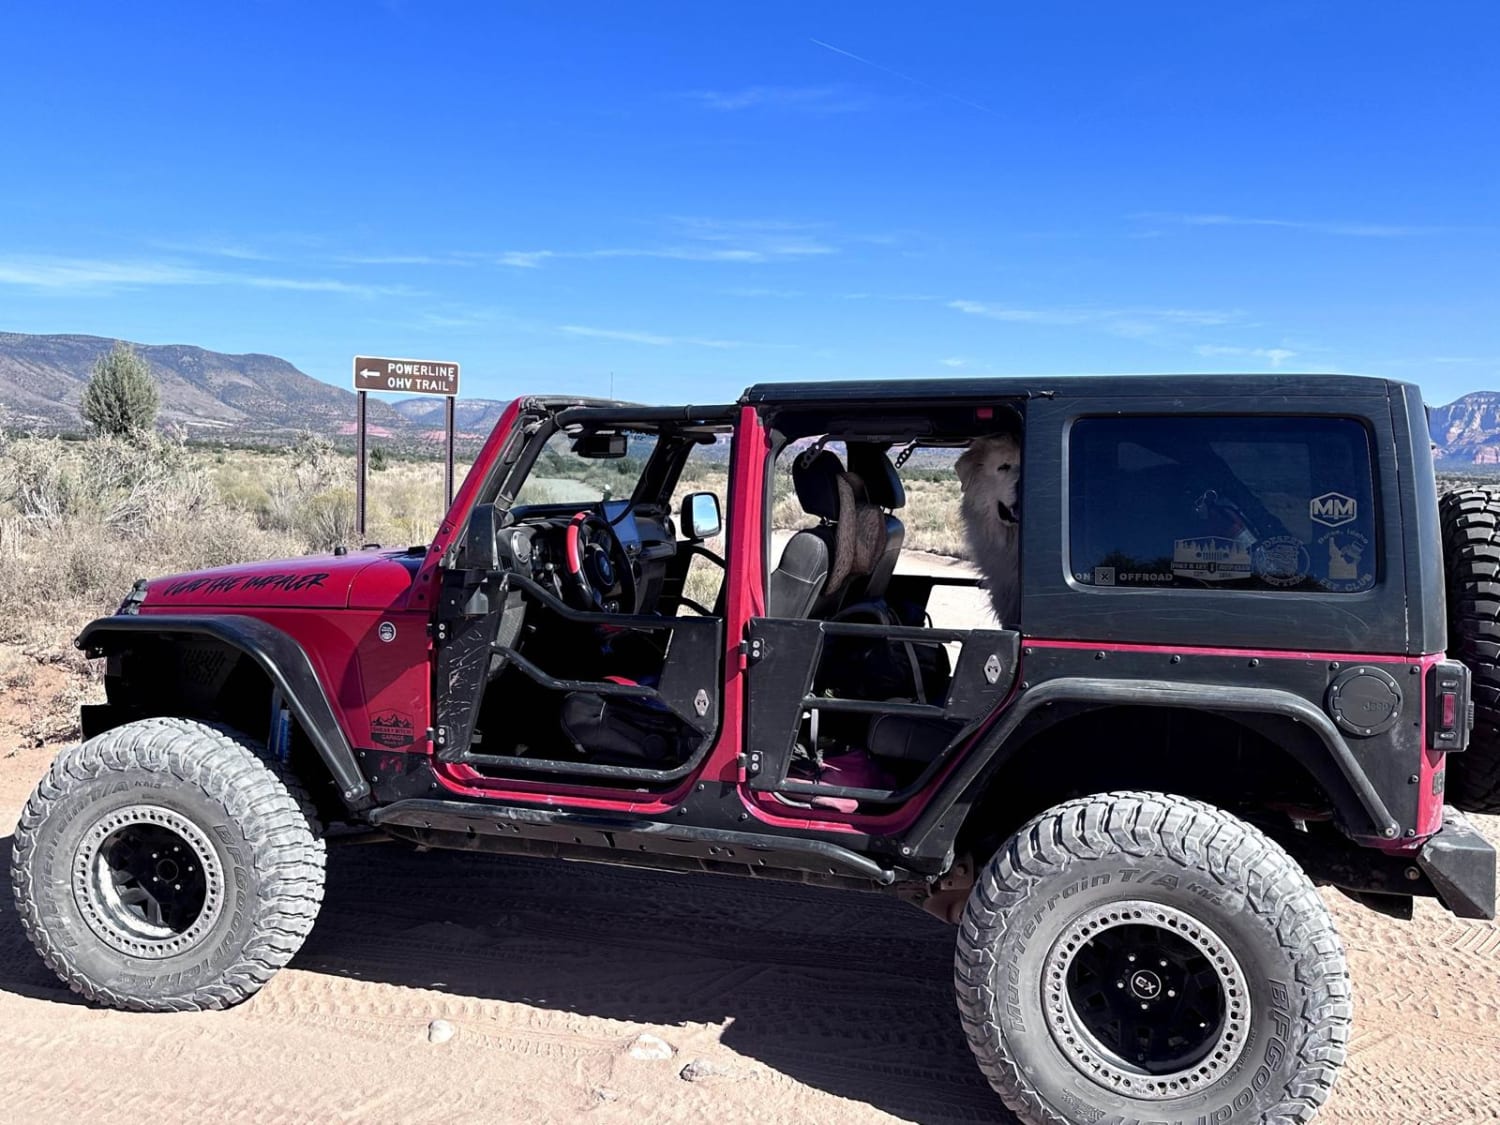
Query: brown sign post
pixel 401 376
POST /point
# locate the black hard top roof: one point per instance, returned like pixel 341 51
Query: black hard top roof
pixel 1333 387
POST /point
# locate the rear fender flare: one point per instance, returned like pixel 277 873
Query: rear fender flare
pixel 1259 708
pixel 283 660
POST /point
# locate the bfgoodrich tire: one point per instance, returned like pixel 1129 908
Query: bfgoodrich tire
pixel 163 866
pixel 1136 956
pixel 1471 555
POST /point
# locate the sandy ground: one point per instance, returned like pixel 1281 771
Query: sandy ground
pixel 804 1005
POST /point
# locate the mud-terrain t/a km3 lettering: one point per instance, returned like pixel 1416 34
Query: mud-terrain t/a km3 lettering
pixel 1227 682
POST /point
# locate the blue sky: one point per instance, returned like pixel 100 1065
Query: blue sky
pixel 698 196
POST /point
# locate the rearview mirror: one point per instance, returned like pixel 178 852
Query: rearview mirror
pixel 600 446
pixel 481 552
pixel 700 516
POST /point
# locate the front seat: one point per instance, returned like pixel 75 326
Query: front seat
pixel 819 563
pixel 883 488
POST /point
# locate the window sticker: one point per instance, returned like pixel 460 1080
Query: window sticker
pixel 1349 561
pixel 1333 509
pixel 1212 558
pixel 1281 560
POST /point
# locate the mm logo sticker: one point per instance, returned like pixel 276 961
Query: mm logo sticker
pixel 1333 509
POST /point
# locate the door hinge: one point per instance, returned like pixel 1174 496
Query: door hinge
pixel 440 736
pixel 751 651
pixel 751 762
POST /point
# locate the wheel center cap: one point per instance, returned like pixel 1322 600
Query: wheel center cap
pixel 1145 984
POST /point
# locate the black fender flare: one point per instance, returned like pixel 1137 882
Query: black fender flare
pixel 282 659
pixel 937 827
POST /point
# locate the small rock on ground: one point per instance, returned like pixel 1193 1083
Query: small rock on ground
pixel 699 1069
pixel 649 1046
pixel 439 1031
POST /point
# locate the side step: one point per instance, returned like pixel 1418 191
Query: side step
pixel 602 839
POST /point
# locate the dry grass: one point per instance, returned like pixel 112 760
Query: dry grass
pixel 81 521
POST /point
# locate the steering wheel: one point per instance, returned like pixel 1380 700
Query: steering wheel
pixel 600 577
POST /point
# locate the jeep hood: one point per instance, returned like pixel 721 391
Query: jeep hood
pixel 359 579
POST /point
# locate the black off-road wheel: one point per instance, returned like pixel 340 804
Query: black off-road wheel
pixel 1141 957
pixel 165 866
pixel 1471 554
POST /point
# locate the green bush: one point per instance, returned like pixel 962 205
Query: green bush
pixel 121 398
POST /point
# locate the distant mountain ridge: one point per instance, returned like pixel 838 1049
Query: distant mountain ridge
pixel 263 398
pixel 1467 430
pixel 250 397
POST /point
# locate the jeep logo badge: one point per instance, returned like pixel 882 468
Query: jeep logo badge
pixel 1333 509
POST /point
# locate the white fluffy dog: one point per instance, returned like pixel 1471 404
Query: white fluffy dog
pixel 989 472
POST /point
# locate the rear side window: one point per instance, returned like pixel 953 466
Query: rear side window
pixel 1222 503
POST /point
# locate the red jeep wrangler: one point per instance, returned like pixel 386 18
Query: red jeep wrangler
pixel 1227 682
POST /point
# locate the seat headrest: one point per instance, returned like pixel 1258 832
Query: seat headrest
pixel 882 482
pixel 815 478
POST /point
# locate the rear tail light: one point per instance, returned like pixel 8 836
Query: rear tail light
pixel 1449 713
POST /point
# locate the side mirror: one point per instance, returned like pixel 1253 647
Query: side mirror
pixel 481 552
pixel 700 516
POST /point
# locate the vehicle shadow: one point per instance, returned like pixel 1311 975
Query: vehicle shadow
pixel 847 992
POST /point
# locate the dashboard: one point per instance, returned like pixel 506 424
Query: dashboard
pixel 537 546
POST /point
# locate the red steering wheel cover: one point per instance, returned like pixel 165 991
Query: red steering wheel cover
pixel 574 555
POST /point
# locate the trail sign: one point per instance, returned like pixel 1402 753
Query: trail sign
pixel 400 376
pixel 405 376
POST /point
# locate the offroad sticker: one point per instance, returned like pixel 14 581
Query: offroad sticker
pixel 387 631
pixel 1212 558
pixel 392 728
pixel 1281 560
pixel 1347 555
pixel 1333 509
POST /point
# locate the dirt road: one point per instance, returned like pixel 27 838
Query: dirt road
pixel 803 1005
pixel 818 1006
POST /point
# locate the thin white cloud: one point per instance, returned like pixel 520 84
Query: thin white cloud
pixel 84 275
pixel 1132 323
pixel 1273 356
pixel 696 239
pixel 650 338
pixel 954 361
pixel 212 248
pixel 399 260
pixel 1345 229
pixel 525 259
pixel 803 99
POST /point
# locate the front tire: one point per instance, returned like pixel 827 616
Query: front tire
pixel 163 866
pixel 1137 956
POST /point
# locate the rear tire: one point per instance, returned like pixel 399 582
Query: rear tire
pixel 1137 956
pixel 1470 520
pixel 163 866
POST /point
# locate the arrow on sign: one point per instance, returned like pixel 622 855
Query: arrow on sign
pixel 368 374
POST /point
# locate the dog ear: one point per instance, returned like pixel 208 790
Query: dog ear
pixel 965 464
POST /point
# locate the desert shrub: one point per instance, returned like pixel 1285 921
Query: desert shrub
pixel 121 398
pixel 327 519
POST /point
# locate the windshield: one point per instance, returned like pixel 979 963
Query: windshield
pixel 561 476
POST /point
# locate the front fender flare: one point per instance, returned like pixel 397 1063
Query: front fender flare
pixel 282 659
pixel 938 825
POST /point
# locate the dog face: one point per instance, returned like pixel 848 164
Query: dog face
pixel 989 472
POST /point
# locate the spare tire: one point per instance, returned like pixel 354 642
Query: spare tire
pixel 1470 520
